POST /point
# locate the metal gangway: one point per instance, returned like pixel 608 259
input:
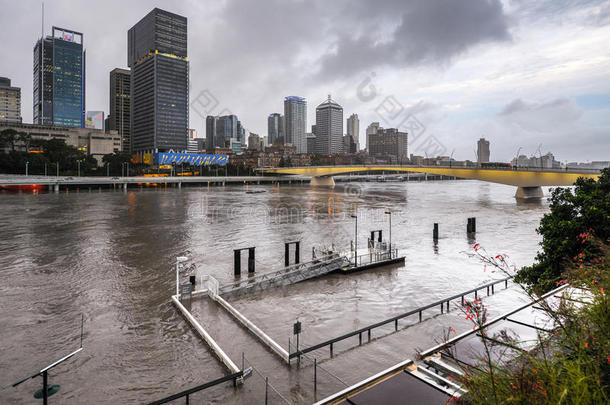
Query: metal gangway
pixel 288 275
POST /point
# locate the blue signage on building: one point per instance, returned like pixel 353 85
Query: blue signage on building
pixel 193 159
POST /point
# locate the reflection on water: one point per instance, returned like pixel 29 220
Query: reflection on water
pixel 110 256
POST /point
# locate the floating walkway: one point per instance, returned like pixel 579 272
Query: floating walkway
pixel 330 263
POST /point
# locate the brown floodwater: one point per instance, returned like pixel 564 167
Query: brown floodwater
pixel 110 256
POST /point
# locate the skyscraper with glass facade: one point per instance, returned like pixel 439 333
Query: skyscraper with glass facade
pixel 120 105
pixel 353 130
pixel 59 79
pixel 157 56
pixel 275 128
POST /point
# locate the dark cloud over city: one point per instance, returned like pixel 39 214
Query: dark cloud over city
pixel 515 72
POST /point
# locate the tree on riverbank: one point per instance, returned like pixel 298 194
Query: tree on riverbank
pixel 567 365
pixel 48 155
pixel 572 213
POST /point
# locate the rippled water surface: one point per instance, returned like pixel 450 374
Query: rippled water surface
pixel 110 256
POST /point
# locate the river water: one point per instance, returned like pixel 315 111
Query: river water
pixel 109 255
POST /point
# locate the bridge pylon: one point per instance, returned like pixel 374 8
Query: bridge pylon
pixel 323 181
pixel 529 192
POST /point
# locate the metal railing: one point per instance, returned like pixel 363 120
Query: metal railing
pixel 375 256
pixel 293 273
pixel 442 303
pixel 187 393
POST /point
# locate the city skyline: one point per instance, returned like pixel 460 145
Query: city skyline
pixel 532 89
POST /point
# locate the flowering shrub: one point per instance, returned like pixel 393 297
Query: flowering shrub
pixel 569 365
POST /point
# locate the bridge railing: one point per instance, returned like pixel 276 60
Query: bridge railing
pixel 576 170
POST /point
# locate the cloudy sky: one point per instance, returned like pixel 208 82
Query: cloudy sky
pixel 519 73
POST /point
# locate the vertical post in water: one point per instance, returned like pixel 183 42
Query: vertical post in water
pixel 315 375
pixel 45 392
pixel 251 267
pixel 266 390
pixel 237 262
pixel 473 225
pixel 435 232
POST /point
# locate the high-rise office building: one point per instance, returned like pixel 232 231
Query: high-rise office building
pixel 275 130
pixel 157 56
pixel 482 151
pixel 10 101
pixel 353 130
pixel 390 144
pixel 241 133
pixel 210 132
pixel 295 121
pixel 120 105
pixel 227 129
pixel 59 79
pixel 310 140
pixel 329 128
pixel 371 130
pixel 94 120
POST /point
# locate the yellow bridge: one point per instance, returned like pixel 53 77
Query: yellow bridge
pixel 528 180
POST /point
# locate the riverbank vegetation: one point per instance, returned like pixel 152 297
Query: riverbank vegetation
pixel 571 363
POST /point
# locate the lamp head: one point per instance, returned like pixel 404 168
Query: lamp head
pixel 181 259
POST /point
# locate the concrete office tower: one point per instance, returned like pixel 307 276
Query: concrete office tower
pixel 310 139
pixel 94 120
pixel 10 101
pixel 353 130
pixel 390 144
pixel 295 120
pixel 370 130
pixel 59 79
pixel 275 130
pixel 329 128
pixel 159 83
pixel 120 106
pixel 482 151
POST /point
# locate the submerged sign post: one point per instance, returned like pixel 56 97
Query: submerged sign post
pixel 296 329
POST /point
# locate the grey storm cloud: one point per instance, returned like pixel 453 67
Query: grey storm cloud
pixel 542 117
pixel 247 55
pixel 433 31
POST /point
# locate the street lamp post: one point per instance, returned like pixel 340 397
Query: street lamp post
pixel 179 260
pixel 78 170
pixel 390 214
pixel 356 241
pixel 57 165
pixel 27 163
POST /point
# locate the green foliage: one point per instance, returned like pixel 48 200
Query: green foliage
pixel 54 152
pixel 586 209
pixel 571 365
